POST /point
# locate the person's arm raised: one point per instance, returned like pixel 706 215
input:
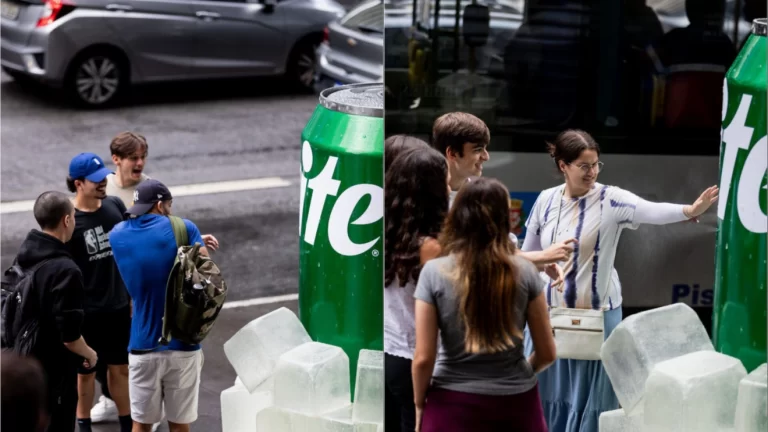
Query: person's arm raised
pixel 654 213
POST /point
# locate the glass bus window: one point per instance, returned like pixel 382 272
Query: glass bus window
pixel 641 75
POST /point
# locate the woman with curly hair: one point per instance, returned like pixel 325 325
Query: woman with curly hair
pixel 397 145
pixel 415 203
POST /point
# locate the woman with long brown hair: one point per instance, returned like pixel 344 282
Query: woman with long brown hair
pixel 416 202
pixel 480 295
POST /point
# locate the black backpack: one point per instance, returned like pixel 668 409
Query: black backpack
pixel 19 309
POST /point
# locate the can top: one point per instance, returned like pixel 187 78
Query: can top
pixel 760 27
pixel 357 99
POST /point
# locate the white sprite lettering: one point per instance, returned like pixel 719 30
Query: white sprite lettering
pixel 306 166
pixel 749 190
pixel 340 217
pixel 737 136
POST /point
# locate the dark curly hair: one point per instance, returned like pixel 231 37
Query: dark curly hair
pixel 396 145
pixel 415 205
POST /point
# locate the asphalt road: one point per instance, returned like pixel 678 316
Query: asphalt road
pixel 197 133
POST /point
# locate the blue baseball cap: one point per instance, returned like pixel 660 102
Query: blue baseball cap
pixel 88 166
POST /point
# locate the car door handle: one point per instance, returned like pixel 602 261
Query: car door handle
pixel 119 7
pixel 208 16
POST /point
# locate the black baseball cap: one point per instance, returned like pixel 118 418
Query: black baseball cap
pixel 147 194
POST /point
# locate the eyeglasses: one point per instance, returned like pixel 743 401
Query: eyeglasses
pixel 598 166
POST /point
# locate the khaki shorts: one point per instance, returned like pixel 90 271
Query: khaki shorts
pixel 170 377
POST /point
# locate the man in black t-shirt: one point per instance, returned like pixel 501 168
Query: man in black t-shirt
pixel 107 322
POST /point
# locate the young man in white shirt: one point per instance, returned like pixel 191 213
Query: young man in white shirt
pixel 129 154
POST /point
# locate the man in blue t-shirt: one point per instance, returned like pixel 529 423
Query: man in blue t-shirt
pixel 144 248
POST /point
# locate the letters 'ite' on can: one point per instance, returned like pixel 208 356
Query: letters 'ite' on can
pixel 740 273
pixel 341 221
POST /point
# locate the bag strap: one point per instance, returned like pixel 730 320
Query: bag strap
pixel 179 231
pixel 182 239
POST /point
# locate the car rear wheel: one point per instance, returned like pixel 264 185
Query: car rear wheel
pixel 301 68
pixel 97 79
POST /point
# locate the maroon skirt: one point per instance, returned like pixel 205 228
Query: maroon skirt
pixel 452 411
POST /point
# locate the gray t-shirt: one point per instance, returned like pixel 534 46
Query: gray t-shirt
pixel 124 193
pixel 490 374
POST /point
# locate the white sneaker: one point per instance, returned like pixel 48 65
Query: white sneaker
pixel 104 410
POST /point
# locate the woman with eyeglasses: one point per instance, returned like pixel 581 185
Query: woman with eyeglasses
pixel 575 392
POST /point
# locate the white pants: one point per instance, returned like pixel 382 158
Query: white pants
pixel 170 377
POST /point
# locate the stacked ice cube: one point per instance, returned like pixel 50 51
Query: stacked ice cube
pixel 287 382
pixel 668 377
pixel 752 404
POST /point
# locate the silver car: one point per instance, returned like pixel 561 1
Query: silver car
pixel 352 51
pixel 95 49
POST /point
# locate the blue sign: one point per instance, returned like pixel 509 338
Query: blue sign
pixel 520 205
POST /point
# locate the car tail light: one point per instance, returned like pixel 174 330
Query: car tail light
pixel 325 35
pixel 51 11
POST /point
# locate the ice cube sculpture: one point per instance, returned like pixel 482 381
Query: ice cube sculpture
pixel 275 419
pixel 695 392
pixel 645 339
pixel 619 421
pixel 254 350
pixel 369 387
pixel 239 408
pixel 266 386
pixel 312 379
pixel 366 427
pixel 752 403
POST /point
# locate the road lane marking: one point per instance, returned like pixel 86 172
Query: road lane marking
pixel 260 301
pixel 180 191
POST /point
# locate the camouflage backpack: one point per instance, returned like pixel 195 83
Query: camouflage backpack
pixel 194 294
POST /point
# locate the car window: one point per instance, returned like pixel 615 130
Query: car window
pixel 368 18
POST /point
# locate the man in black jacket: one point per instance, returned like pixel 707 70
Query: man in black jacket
pixel 60 346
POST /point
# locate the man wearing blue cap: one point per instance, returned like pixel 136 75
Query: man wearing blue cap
pixel 107 320
pixel 145 250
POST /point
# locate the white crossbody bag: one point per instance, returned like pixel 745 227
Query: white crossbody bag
pixel 578 333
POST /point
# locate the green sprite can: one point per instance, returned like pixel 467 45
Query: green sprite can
pixel 740 276
pixel 341 223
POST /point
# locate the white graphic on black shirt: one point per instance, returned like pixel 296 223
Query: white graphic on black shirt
pixel 90 242
pixel 97 240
